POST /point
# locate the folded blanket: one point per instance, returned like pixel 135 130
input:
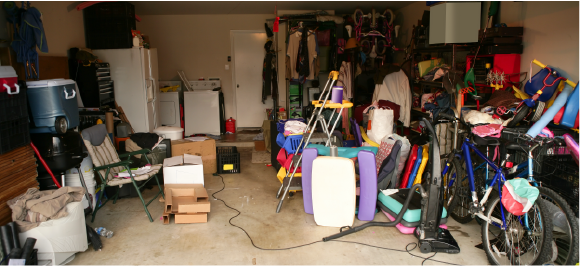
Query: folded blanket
pixel 34 206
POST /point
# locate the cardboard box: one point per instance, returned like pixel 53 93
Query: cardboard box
pixel 184 198
pixel 282 115
pixel 260 145
pixel 185 218
pixel 191 218
pixel 183 169
pixel 206 149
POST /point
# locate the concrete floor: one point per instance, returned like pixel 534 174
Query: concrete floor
pixel 253 193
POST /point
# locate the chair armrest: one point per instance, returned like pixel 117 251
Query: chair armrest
pixel 129 154
pixel 121 163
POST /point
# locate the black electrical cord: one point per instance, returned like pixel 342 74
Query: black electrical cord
pixel 319 241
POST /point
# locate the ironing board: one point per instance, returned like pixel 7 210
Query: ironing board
pixel 409 166
pixel 333 191
pixel 415 167
pixel 423 164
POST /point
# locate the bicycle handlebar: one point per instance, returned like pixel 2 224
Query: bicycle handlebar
pixel 572 84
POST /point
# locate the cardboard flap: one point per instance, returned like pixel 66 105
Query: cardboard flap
pixel 192 159
pixel 173 161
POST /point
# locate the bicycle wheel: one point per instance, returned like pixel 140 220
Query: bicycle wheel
pixel 358 17
pixel 457 197
pixel 521 113
pixel 565 233
pixel 366 46
pixel 389 16
pixel 517 245
pixel 381 47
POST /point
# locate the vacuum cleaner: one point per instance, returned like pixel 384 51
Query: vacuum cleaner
pixel 431 237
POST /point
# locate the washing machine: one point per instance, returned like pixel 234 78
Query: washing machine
pixel 170 103
pixel 204 108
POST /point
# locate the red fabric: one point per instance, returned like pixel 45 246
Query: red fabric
pixel 276 23
pixel 409 166
pixel 358 111
pixel 393 106
pixel 576 123
pixel 323 37
pixel 510 204
pixel 384 151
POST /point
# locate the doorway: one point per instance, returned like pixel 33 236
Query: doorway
pixel 248 59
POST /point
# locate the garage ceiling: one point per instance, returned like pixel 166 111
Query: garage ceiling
pixel 258 7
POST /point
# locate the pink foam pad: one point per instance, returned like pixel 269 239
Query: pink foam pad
pixel 406 230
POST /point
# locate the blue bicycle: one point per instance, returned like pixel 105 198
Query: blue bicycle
pixel 507 238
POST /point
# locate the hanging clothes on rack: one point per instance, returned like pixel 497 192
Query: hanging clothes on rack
pixel 269 80
pixel 345 79
pixel 395 88
pixel 293 52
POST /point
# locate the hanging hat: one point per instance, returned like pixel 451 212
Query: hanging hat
pixel 352 43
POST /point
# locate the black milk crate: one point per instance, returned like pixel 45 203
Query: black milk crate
pixel 228 160
pixel 13 106
pixel 14 134
pixel 560 173
pixel 542 152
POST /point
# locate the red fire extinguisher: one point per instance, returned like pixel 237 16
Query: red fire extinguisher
pixel 231 125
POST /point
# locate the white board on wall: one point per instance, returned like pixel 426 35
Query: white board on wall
pixel 454 22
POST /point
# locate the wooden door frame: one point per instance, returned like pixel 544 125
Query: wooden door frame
pixel 233 66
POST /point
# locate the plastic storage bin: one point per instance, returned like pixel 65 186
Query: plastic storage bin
pixel 12 95
pixel 53 105
pixel 228 160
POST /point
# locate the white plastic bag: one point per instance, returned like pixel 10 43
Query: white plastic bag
pixel 380 124
pixel 405 150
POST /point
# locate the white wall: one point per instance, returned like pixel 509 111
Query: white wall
pixel 550 33
pixel 199 45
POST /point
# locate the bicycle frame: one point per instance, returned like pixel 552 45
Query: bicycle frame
pixel 498 178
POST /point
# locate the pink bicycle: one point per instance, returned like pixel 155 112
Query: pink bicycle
pixel 378 38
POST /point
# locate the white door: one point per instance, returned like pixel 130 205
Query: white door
pixel 248 55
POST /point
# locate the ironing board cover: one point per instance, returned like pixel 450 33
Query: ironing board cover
pixel 333 191
pixel 409 166
pixel 423 164
pixel 415 167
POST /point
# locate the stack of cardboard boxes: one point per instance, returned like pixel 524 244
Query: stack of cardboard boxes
pixel 188 203
pixel 185 196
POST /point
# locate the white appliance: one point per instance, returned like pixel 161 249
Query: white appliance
pixel 169 104
pixel 135 74
pixel 202 109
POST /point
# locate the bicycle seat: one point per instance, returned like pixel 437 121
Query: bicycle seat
pixel 485 141
pixel 517 147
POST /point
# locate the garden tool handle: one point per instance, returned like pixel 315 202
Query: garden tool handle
pixel 333 75
pixel 572 84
